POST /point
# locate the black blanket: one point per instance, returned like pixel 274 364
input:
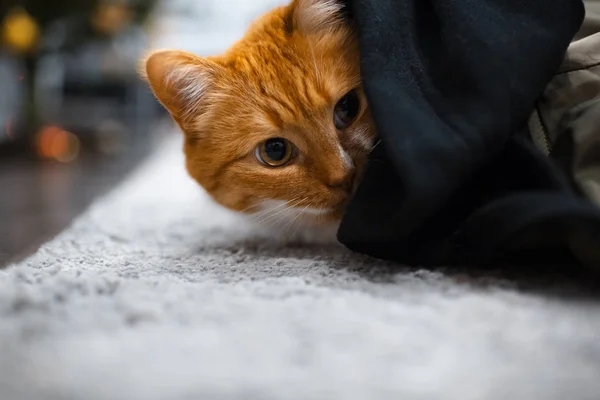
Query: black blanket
pixel 456 179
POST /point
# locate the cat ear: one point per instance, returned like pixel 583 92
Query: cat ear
pixel 311 16
pixel 181 81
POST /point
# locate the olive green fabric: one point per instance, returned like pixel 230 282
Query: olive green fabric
pixel 591 24
pixel 566 122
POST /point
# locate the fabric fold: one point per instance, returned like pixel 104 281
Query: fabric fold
pixel 451 85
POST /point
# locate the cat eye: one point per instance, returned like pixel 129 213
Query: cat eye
pixel 275 152
pixel 346 110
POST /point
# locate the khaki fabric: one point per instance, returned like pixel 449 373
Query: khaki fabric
pixel 566 121
pixel 591 24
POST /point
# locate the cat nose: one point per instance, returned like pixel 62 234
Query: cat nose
pixel 345 182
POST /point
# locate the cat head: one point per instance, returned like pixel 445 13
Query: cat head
pixel 278 125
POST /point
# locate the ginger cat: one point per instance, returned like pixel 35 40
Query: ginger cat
pixel 278 126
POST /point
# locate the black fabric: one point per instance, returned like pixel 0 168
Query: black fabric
pixel 451 84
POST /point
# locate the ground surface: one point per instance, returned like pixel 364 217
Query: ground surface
pixel 41 198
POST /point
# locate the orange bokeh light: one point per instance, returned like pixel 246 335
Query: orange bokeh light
pixel 56 143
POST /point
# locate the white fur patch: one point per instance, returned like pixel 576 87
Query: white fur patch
pixel 348 163
pixel 314 15
pixel 286 214
pixel 364 139
pixel 287 220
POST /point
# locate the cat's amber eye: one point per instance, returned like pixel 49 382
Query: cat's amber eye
pixel 275 152
pixel 346 110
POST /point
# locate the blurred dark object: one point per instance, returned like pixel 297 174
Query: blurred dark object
pixel 70 66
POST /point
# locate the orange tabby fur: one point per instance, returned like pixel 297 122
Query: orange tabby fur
pixel 282 79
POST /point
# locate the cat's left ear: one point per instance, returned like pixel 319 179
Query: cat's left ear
pixel 181 81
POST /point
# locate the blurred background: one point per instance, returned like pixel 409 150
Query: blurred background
pixel 74 116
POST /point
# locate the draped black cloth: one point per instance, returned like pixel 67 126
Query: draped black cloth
pixel 456 179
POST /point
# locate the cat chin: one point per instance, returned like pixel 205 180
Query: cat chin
pixel 301 233
pixel 297 224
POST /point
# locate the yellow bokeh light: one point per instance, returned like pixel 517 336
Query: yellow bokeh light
pixel 20 32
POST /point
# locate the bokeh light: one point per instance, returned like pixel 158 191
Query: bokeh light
pixel 57 144
pixel 19 31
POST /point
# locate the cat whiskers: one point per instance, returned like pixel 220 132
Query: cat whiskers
pixel 290 225
pixel 264 215
pixel 274 215
pixel 375 146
